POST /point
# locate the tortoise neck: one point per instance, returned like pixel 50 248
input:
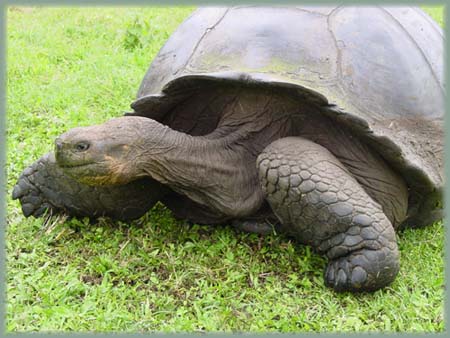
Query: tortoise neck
pixel 215 170
pixel 178 159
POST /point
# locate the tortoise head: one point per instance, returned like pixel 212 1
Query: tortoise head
pixel 105 154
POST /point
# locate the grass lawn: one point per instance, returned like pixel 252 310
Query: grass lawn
pixel 72 67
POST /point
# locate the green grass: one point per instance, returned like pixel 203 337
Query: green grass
pixel 75 66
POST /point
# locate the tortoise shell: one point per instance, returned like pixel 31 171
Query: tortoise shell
pixel 377 70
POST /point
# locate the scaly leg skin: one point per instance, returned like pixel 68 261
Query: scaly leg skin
pixel 44 187
pixel 319 202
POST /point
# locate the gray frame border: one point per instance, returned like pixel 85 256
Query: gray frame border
pixel 2 166
pixel 3 147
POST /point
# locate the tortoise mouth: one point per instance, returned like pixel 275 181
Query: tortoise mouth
pixel 75 165
pixel 90 173
pixel 85 169
pixel 95 174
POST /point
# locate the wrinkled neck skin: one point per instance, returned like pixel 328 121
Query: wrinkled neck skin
pixel 217 173
pixel 176 158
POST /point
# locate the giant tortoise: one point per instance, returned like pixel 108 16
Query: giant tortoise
pixel 323 123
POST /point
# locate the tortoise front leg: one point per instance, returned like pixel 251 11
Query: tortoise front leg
pixel 43 186
pixel 319 202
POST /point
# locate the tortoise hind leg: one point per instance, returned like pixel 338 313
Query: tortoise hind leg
pixel 43 187
pixel 320 203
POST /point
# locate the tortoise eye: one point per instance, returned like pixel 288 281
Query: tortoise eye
pixel 82 146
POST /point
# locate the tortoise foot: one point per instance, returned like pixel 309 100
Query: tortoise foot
pixel 254 226
pixel 363 270
pixel 30 190
pixel 44 187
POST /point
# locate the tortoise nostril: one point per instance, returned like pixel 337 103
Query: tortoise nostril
pixel 82 146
